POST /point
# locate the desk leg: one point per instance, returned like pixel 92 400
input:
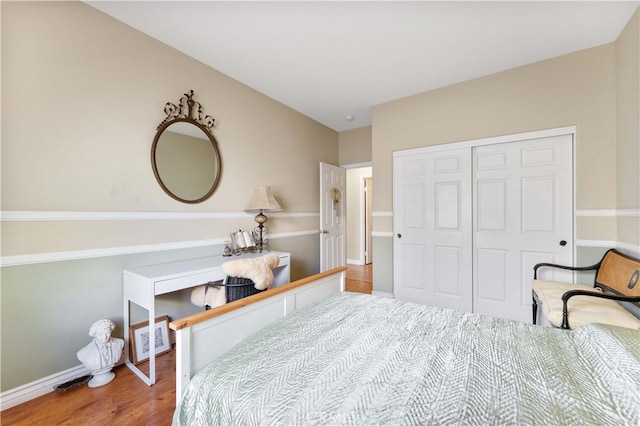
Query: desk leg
pixel 152 343
pixel 126 325
pixel 151 379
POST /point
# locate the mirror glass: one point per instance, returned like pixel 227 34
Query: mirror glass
pixel 185 160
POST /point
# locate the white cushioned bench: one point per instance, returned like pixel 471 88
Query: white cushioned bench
pixel 568 305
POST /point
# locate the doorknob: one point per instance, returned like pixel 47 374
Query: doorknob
pixel 324 231
pixel 399 235
pixel 563 243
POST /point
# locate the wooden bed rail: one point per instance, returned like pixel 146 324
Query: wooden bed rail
pixel 194 319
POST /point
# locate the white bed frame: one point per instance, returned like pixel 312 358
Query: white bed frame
pixel 203 337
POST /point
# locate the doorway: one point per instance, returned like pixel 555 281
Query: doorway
pixel 368 220
pixel 359 215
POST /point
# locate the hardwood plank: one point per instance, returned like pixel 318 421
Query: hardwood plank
pixel 359 278
pixel 126 400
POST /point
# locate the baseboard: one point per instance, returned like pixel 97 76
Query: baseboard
pixel 40 387
pixel 355 262
pixel 43 386
pixel 383 294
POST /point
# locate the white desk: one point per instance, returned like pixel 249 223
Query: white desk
pixel 142 284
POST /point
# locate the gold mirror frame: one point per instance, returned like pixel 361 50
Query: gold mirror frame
pixel 187 111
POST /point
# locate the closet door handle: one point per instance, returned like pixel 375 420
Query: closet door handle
pixel 563 243
pixel 399 235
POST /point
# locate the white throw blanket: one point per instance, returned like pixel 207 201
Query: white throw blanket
pixel 257 269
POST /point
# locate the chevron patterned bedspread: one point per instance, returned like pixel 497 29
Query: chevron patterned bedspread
pixel 359 359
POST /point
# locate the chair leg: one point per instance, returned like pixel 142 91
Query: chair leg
pixel 565 318
pixel 534 307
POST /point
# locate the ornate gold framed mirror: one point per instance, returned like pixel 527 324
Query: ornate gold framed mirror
pixel 185 156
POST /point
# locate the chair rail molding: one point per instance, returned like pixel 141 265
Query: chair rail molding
pixel 52 216
pixel 28 259
pixel 608 213
pixel 56 216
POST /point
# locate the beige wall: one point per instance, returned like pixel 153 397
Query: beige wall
pixel 355 149
pixel 628 131
pixel 355 146
pixel 82 95
pixel 576 89
pixel 572 90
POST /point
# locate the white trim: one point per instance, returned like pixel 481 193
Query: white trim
pixel 609 244
pixel 382 214
pixel 53 216
pixel 628 212
pixel 608 213
pixel 362 218
pixel 358 262
pixel 596 213
pixel 574 193
pixel 382 234
pixel 537 134
pixel 357 165
pixel 595 243
pixel 28 259
pixel 628 246
pixel 39 387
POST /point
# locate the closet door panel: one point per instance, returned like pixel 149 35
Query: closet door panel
pixel 413 266
pixel 447 206
pixel 538 204
pixel 491 280
pixel 449 279
pixel 432 223
pixel 523 209
pixel 491 208
pixel 410 251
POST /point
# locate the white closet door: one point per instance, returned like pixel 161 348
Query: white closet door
pixel 523 211
pixel 432 221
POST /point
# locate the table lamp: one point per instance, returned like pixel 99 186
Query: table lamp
pixel 262 200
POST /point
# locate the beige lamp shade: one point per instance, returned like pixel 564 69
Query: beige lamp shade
pixel 262 199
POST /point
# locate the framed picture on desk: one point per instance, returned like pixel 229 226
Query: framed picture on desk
pixel 140 343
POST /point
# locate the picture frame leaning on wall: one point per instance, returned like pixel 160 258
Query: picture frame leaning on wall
pixel 139 335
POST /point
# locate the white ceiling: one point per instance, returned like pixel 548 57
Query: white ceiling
pixel 329 59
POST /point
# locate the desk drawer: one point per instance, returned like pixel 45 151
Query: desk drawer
pixel 186 281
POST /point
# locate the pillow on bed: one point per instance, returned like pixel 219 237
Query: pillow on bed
pixel 257 269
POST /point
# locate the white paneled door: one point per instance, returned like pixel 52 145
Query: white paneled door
pixel 471 222
pixel 368 221
pixel 432 221
pixel 332 217
pixel 523 214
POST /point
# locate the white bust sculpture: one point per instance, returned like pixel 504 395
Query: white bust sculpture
pixel 102 353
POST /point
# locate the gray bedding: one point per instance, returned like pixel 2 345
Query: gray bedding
pixel 360 359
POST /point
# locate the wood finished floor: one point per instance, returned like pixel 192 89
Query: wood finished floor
pixel 127 400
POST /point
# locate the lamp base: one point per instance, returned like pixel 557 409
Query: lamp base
pixel 260 233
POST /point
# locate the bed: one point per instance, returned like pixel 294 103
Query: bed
pixel 347 358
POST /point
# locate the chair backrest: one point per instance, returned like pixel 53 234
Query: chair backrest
pixel 619 273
